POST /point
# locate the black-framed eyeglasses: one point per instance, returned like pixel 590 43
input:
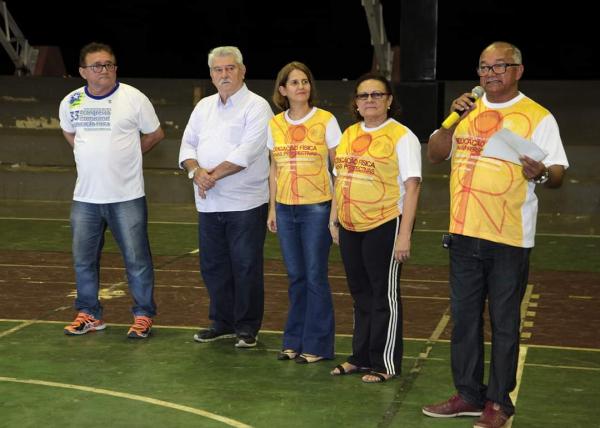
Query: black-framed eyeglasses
pixel 364 96
pixel 499 68
pixel 97 68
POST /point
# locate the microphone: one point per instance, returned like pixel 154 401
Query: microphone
pixel 453 117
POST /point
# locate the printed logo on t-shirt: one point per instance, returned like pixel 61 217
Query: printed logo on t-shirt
pixel 88 118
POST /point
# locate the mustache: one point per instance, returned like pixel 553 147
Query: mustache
pixel 224 80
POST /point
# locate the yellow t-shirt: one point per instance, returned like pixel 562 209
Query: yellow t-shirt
pixel 368 187
pixel 491 198
pixel 301 155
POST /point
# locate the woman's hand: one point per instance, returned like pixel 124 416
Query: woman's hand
pixel 402 248
pixel 272 221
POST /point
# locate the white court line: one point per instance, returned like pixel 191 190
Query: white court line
pixel 17 265
pixel 193 223
pixel 135 397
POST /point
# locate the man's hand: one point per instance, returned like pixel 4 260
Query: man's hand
pixel 531 168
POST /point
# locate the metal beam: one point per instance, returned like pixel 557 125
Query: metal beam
pixel 381 45
pixel 22 54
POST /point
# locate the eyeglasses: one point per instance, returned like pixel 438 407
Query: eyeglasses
pixel 364 96
pixel 499 68
pixel 97 68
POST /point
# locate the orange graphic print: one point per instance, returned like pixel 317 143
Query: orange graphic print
pixel 367 189
pixel 300 152
pixel 487 194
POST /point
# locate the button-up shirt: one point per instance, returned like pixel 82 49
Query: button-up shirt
pixel 234 131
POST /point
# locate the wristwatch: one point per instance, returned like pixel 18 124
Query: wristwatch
pixel 192 172
pixel 543 177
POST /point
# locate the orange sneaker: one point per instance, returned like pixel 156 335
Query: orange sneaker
pixel 84 323
pixel 141 327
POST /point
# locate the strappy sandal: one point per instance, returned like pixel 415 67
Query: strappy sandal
pixel 341 371
pixel 287 354
pixel 308 358
pixel 378 377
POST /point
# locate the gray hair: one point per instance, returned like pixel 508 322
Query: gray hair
pixel 516 52
pixel 225 51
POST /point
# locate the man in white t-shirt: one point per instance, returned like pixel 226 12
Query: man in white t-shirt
pixel 224 150
pixel 109 125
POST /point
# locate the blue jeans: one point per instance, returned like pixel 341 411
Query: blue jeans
pixel 480 269
pixel 128 223
pixel 305 242
pixel 231 262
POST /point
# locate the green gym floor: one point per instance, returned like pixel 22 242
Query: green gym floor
pixel 104 379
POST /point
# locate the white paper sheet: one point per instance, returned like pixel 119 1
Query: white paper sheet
pixel 508 146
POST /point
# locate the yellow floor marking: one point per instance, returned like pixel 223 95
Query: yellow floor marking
pixel 135 397
pixel 525 303
pixel 433 338
pixel 17 328
pixel 549 366
pixel 581 297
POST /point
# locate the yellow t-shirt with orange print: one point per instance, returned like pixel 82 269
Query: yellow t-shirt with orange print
pixel 371 166
pixel 491 198
pixel 301 151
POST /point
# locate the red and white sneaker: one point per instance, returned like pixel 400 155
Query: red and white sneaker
pixel 493 416
pixel 141 327
pixel 451 408
pixel 84 323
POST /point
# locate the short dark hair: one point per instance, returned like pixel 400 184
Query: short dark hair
pixel 388 88
pixel 282 78
pixel 92 48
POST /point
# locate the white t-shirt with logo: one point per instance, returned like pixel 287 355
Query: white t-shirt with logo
pixel 107 146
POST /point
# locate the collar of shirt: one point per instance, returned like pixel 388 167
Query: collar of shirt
pixel 234 99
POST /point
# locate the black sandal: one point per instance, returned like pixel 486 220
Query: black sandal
pixel 380 378
pixel 342 371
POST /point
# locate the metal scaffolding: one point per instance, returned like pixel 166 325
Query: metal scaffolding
pixel 23 55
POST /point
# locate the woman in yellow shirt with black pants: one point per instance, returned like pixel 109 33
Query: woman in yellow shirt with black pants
pixel 378 177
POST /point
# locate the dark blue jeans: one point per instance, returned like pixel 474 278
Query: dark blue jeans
pixel 128 223
pixel 305 242
pixel 480 269
pixel 231 262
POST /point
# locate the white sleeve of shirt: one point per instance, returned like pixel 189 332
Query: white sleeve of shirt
pixel 332 133
pixel 65 117
pixel 254 139
pixel 270 142
pixel 547 136
pixel 408 150
pixel 148 120
pixel 189 141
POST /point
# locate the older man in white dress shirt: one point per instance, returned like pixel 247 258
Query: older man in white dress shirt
pixel 224 151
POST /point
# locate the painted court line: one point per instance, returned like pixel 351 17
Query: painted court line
pixel 525 303
pixel 17 328
pixel 18 265
pixel 194 223
pixel 135 397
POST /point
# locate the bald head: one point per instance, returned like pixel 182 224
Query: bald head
pixel 511 51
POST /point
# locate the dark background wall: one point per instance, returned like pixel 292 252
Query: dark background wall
pixel 170 39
